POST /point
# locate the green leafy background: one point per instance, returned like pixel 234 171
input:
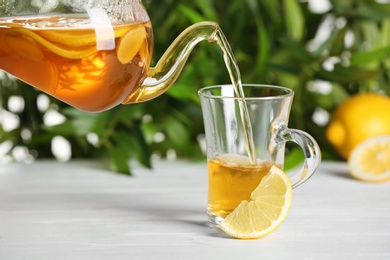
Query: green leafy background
pixel 324 57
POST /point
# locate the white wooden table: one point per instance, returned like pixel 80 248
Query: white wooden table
pixel 77 210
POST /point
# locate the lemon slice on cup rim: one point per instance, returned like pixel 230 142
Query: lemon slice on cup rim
pixel 370 160
pixel 268 208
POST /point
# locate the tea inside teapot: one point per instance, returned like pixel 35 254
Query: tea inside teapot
pixel 83 64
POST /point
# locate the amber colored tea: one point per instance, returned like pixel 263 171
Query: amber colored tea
pixel 60 56
pixel 232 178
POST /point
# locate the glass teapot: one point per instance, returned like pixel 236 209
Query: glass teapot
pixel 92 54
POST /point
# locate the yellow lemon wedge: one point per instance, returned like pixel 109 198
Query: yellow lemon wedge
pixel 268 208
pixel 130 44
pixel 76 38
pixel 63 51
pixel 370 160
pixel 73 38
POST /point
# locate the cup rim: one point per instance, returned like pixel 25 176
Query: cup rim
pixel 288 92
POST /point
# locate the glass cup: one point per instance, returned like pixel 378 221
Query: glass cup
pixel 239 153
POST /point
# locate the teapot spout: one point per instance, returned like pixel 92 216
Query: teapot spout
pixel 161 77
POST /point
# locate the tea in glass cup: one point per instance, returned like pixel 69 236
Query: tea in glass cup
pixel 237 164
pixel 239 174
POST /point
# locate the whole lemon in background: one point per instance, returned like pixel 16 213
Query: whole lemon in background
pixel 360 117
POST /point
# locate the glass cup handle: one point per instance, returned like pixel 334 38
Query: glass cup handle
pixel 310 149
